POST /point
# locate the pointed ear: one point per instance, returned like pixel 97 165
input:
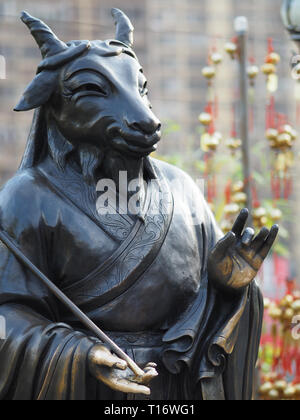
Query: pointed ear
pixel 38 92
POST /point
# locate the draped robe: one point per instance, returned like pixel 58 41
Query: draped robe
pixel 142 279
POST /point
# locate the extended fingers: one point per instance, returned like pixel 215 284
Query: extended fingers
pixel 240 222
pixel 120 381
pixel 129 387
pixel 268 243
pixel 260 239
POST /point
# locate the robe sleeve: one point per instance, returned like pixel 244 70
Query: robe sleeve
pixel 40 358
pixel 217 338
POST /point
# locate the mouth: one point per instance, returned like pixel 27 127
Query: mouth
pixel 137 145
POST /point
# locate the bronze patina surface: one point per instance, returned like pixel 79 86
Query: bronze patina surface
pixel 162 282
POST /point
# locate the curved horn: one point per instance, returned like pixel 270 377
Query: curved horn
pixel 124 28
pixel 47 41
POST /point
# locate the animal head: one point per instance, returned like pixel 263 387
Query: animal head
pixel 94 91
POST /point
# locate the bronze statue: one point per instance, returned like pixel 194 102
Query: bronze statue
pixel 160 281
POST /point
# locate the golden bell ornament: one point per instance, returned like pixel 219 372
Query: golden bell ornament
pixel 216 58
pixel 297 389
pixel 280 385
pixel 205 118
pixel 273 58
pixel 274 145
pixel 266 388
pixel 275 215
pixel 287 301
pixel 274 394
pixel 226 226
pixel 231 209
pixel 209 72
pixel 259 212
pixel 238 187
pixel 272 134
pixel 290 392
pixel 239 198
pixel 284 140
pixel 268 69
pixel 252 72
pixel 288 315
pixel 275 312
pixel 231 48
pixel 296 305
pixel 209 143
pixel 288 129
pixel 233 144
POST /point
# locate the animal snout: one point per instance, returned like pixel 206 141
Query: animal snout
pixel 147 126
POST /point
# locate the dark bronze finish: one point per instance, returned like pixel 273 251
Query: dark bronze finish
pixel 159 279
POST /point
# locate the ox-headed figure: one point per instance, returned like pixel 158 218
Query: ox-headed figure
pixel 176 295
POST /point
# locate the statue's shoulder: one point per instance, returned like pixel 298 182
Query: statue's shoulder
pixel 22 195
pixel 178 179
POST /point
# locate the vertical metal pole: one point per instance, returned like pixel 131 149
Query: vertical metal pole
pixel 241 28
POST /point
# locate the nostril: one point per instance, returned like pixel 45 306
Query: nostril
pixel 147 127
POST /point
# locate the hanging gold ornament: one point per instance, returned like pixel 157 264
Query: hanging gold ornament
pixel 296 306
pixel 288 129
pixel 226 226
pixel 268 69
pixel 265 388
pixel 272 134
pixel 231 209
pixel 231 48
pixel 209 142
pixel 284 140
pixel 239 198
pixel 209 72
pixel 273 394
pixel 252 72
pixel 205 118
pixel 273 58
pixel 238 187
pixel 289 392
pixel 216 58
pixel 233 144
pixel 275 215
pixel 280 385
pixel 259 217
pixel 275 312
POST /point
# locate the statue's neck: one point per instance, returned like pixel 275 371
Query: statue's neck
pixel 126 173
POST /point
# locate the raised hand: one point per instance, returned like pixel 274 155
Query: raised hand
pixel 237 258
pixel 114 372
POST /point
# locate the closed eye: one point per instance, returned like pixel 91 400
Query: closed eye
pixel 90 87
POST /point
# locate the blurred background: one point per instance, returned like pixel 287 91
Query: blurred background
pixel 175 40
